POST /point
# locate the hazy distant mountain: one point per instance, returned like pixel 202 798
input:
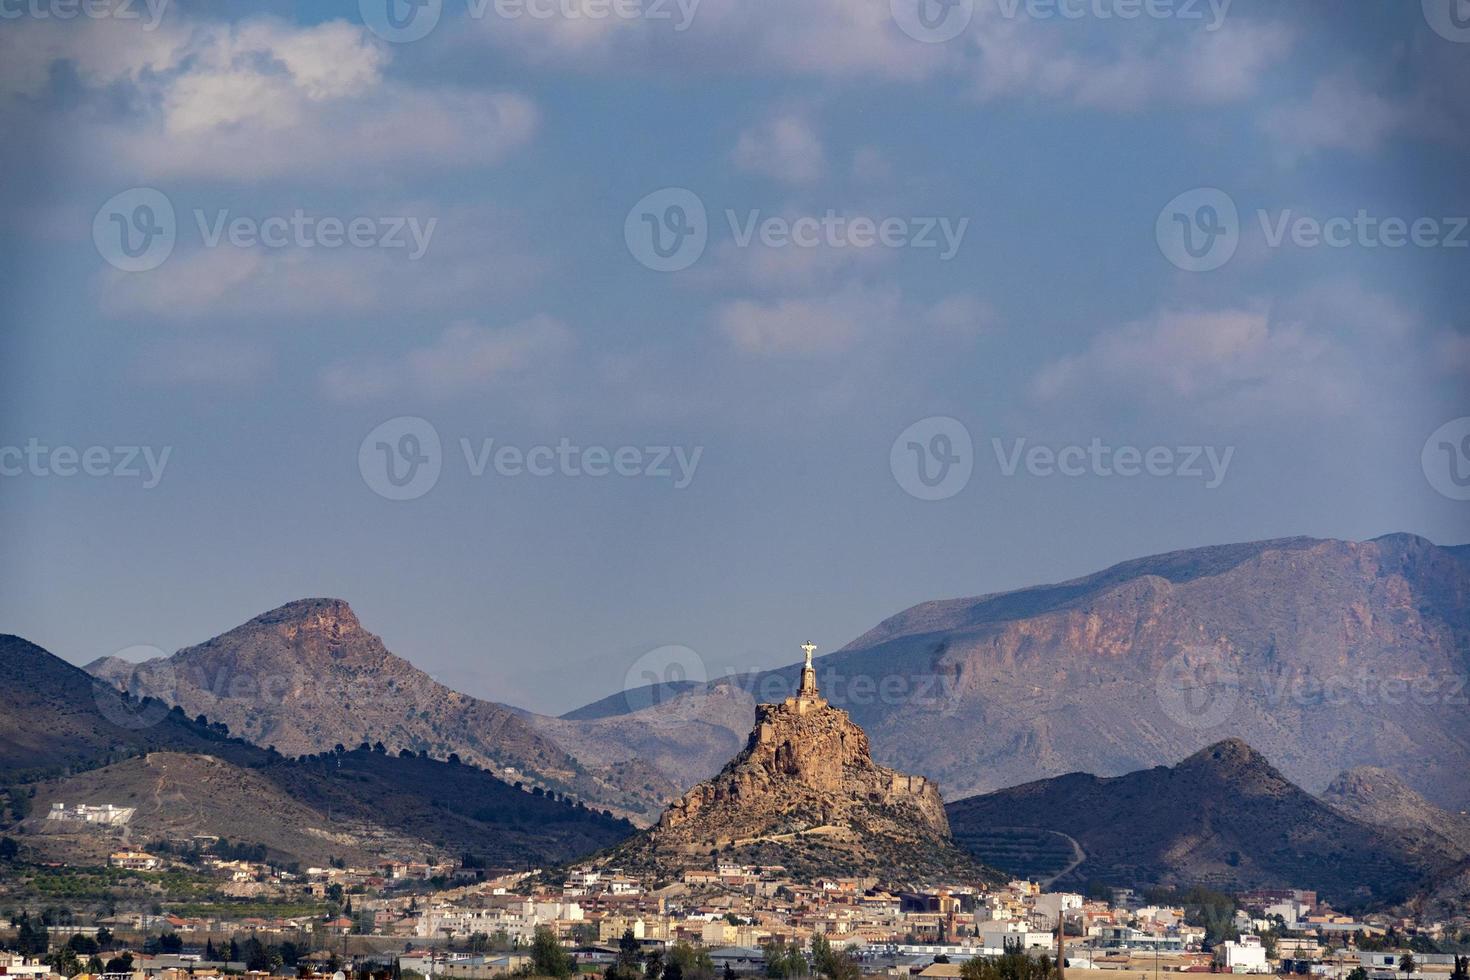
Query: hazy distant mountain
pixel 1378 796
pixel 1324 654
pixel 1224 818
pixel 74 739
pixel 307 676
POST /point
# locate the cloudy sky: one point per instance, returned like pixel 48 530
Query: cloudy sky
pixel 551 332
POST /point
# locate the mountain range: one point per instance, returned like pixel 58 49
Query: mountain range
pixel 1342 662
pixel 1326 655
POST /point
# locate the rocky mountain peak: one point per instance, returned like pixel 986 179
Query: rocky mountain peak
pixel 330 618
pixel 805 793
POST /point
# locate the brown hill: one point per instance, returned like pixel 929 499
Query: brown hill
pixel 54 719
pixel 308 676
pixel 1224 818
pixel 1377 796
pixel 74 739
pixel 806 794
pixel 1325 654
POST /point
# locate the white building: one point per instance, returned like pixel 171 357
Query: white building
pixel 1245 956
pixel 105 814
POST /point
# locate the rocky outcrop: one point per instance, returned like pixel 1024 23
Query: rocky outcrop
pixel 805 793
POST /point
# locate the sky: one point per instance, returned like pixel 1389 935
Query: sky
pixel 553 334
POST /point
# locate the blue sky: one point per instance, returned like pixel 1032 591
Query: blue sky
pixel 1056 144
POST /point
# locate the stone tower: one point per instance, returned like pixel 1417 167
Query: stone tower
pixel 807 696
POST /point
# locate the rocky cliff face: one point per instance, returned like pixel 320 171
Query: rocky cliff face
pixel 805 793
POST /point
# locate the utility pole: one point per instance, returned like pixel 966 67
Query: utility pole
pixel 1061 942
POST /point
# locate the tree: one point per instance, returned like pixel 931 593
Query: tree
pixel 83 945
pixel 548 958
pixel 691 963
pixel 120 964
pixel 1014 964
pixel 31 938
pixel 1357 973
pixel 64 961
pixel 784 962
pixel 1407 964
pixel 629 964
pixel 835 964
pixel 8 849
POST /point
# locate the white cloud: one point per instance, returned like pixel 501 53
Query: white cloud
pixel 472 257
pixel 1234 363
pixel 261 99
pixel 816 38
pixel 851 317
pixel 1340 114
pixel 1019 58
pixel 785 148
pixel 465 357
pixel 827 325
pixel 1420 94
pixel 102 52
